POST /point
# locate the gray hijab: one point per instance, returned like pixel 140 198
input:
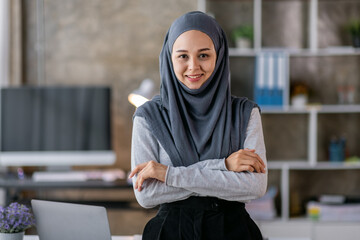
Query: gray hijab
pixel 197 124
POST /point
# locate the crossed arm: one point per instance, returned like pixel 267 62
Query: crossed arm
pixel 240 177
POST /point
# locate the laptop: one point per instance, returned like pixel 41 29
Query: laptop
pixel 68 221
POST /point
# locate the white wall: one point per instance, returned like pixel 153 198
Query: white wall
pixel 4 42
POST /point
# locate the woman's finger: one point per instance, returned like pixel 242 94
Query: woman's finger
pixel 249 157
pixel 248 168
pixel 137 169
pixel 142 176
pixel 251 153
pixel 148 170
pixel 133 172
pixel 252 163
pixel 140 183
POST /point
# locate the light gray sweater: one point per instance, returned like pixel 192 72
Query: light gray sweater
pixel 205 178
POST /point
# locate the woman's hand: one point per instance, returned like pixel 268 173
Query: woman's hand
pixel 245 160
pixel 151 169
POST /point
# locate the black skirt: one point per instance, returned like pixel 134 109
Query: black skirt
pixel 202 218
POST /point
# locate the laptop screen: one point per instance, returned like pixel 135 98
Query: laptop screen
pixel 67 221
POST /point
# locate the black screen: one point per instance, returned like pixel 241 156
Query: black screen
pixel 55 118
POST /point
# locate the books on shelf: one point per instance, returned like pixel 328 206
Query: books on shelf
pixel 334 212
pixel 264 207
pixel 271 73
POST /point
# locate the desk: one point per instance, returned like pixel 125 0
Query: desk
pixel 14 186
pixel 136 237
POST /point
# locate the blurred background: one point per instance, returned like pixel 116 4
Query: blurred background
pixel 116 43
pixel 113 43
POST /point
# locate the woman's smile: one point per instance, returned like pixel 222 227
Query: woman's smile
pixel 194 77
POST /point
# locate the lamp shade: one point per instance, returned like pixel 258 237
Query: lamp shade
pixel 143 93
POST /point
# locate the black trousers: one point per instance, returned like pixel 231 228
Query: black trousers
pixel 202 218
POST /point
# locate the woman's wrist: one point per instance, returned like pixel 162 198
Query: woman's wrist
pixel 167 175
pixel 226 164
pixel 162 172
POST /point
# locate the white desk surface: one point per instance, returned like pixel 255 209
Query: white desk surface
pixel 136 237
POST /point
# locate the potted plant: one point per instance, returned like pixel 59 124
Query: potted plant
pixel 243 36
pixel 354 29
pixel 14 220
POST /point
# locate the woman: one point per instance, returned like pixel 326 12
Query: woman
pixel 197 151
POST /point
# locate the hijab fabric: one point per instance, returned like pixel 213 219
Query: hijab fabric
pixel 197 124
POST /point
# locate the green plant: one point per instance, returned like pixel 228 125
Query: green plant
pixel 354 27
pixel 243 31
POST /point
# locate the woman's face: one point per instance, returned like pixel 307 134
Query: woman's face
pixel 193 57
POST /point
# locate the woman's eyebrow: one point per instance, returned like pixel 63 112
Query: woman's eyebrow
pixel 204 49
pixel 200 50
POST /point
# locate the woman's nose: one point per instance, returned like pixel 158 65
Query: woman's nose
pixel 193 64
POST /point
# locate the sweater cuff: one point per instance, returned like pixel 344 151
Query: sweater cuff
pixel 167 175
pixel 172 176
pixel 223 165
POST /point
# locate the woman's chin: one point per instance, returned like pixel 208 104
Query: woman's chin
pixel 194 84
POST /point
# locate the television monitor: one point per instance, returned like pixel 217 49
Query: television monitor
pixel 55 126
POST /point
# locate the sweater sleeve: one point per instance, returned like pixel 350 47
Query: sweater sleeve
pixel 228 185
pixel 144 148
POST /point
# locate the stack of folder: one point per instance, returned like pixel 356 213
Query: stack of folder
pixel 271 78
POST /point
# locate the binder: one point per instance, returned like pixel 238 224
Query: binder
pixel 259 79
pixel 280 78
pixel 271 78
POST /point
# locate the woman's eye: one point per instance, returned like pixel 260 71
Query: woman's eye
pixel 183 56
pixel 203 55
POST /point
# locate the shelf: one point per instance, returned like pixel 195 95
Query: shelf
pixel 300 219
pixel 305 220
pixel 331 51
pixel 354 108
pixel 286 164
pixel 337 1
pixel 304 165
pixel 283 110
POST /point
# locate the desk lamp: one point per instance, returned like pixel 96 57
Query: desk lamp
pixel 141 95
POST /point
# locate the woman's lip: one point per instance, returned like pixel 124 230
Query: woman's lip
pixel 194 77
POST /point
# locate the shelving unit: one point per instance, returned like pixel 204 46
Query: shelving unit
pixel 311 163
pixel 346 51
pixel 257 13
pixel 303 229
pixel 312 113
